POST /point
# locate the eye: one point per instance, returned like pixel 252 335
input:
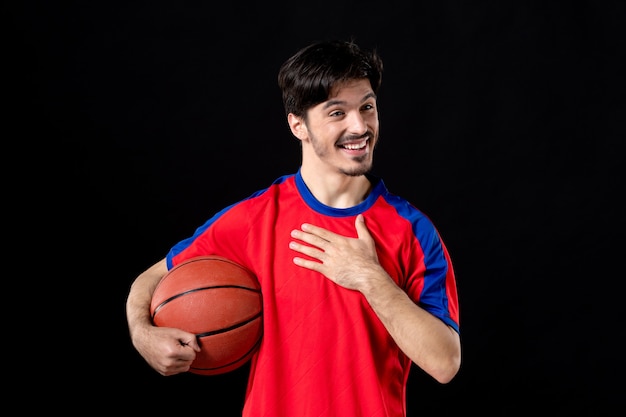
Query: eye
pixel 337 113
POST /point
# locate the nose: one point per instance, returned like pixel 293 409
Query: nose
pixel 357 124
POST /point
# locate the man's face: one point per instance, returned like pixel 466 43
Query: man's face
pixel 341 133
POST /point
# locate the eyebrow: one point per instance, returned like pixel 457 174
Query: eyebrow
pixel 331 103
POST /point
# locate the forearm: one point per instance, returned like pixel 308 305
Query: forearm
pixel 424 338
pixel 140 297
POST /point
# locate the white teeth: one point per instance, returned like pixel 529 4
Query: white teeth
pixel 355 146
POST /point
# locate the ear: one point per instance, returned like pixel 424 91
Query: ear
pixel 297 126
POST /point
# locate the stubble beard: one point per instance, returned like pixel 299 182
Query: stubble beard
pixel 365 162
pixel 364 167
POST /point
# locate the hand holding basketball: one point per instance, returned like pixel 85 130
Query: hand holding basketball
pixel 220 302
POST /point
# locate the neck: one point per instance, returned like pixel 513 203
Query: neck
pixel 337 190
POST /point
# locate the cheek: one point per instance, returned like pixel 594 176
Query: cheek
pixel 327 134
pixel 373 121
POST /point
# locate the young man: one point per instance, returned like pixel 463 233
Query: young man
pixel 357 284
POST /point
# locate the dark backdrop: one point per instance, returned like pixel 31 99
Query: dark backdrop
pixel 502 121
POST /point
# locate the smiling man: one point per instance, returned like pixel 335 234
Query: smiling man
pixel 357 283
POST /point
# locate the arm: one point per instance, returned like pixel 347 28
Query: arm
pixel 426 340
pixel 169 351
pixel 430 343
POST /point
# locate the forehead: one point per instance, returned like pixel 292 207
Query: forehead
pixel 359 88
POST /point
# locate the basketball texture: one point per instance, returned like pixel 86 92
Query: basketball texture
pixel 218 300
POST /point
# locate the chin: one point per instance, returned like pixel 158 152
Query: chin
pixel 358 171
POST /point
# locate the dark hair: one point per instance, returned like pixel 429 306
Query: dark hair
pixel 306 79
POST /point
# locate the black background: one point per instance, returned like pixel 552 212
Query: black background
pixel 502 121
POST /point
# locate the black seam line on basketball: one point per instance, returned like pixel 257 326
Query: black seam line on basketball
pixel 212 258
pixel 244 358
pixel 201 289
pixel 228 329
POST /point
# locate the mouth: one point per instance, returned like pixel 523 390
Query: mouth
pixel 354 145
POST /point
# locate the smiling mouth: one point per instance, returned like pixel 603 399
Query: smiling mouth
pixel 354 146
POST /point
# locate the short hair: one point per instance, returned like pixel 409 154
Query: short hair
pixel 307 78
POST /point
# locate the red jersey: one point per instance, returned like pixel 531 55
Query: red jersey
pixel 324 352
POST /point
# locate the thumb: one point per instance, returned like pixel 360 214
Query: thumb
pixel 361 228
pixel 192 342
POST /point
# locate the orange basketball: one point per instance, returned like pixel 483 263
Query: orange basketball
pixel 218 300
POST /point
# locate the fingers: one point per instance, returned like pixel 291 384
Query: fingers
pixel 305 249
pixel 191 341
pixel 320 244
pixel 315 248
pixel 327 235
pixel 361 229
pixel 310 238
pixel 322 238
pixel 312 265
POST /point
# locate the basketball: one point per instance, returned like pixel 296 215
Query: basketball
pixel 218 300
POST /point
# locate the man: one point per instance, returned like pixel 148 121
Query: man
pixel 357 284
